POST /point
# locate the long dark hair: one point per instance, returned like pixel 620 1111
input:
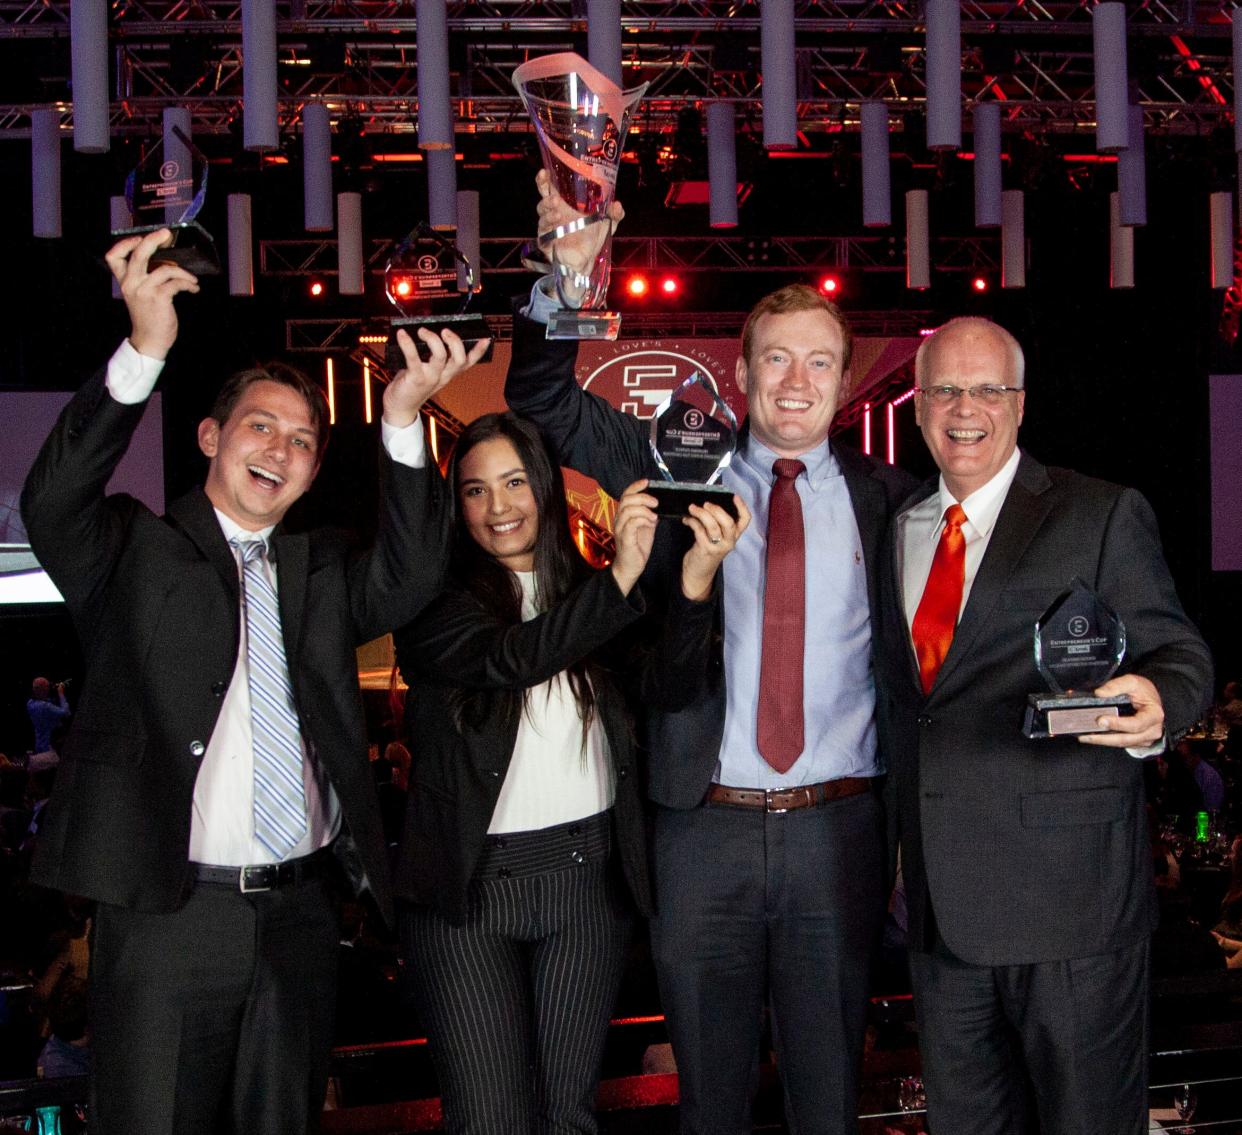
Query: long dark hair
pixel 559 567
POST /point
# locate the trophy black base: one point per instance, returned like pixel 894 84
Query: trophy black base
pixel 675 497
pixel 470 328
pixel 192 247
pixel 1071 715
pixel 601 325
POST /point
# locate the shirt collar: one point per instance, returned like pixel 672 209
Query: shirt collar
pixel 820 462
pixel 234 531
pixel 983 506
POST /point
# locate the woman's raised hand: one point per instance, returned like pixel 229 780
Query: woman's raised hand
pixel 633 528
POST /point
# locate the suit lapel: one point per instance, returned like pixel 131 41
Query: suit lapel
pixel 292 562
pixel 1027 504
pixel 868 499
pixel 194 515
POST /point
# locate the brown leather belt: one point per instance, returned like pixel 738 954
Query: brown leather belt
pixel 788 799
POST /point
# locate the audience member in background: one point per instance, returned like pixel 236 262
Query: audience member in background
pixel 1229 711
pixel 1207 779
pixel 45 715
pixel 1230 923
pixel 399 756
pixel 67 1050
pixel 525 804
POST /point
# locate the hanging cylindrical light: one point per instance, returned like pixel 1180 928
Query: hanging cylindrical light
pixel 876 183
pixel 604 37
pixel 987 124
pixel 316 168
pixel 435 108
pixel 1013 239
pixel 1112 116
pixel 241 246
pixel 45 171
pixel 722 165
pixel 88 54
pixel 1120 247
pixel 1132 173
pixel 441 188
pixel 349 279
pixel 175 152
pixel 260 121
pixel 943 75
pixel 918 241
pixel 1221 217
pixel 778 62
pixel 468 238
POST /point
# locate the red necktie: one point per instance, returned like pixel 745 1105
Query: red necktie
pixel 780 732
pixel 932 629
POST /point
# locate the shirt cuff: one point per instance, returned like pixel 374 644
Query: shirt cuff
pixel 1150 750
pixel 405 444
pixel 541 305
pixel 130 376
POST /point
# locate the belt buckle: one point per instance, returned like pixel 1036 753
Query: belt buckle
pixel 768 795
pixel 264 875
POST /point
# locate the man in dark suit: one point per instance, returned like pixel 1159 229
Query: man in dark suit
pixel 768 847
pixel 217 759
pixel 1026 862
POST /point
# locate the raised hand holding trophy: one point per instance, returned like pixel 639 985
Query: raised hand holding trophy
pixel 1079 643
pixel 168 191
pixel 420 281
pixel 581 119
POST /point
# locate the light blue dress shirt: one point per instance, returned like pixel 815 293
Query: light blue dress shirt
pixel 838 682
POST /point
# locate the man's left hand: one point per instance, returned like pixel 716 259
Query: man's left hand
pixel 1139 731
pixel 418 381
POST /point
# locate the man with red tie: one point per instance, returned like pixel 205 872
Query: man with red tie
pixel 1026 862
pixel 768 842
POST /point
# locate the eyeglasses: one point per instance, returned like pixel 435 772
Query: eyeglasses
pixel 987 393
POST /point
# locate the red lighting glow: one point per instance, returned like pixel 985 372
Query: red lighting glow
pixel 402 286
pixel 829 285
pixel 637 285
pixel 316 288
pixel 979 284
pixel 670 285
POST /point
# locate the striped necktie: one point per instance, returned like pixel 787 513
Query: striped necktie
pixel 279 798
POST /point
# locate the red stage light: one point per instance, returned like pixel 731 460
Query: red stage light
pixel 829 285
pixel 316 288
pixel 670 285
pixel 402 286
pixel 637 286
pixel 979 283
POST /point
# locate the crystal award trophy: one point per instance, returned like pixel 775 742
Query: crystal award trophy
pixel 167 190
pixel 693 438
pixel 420 281
pixel 1079 643
pixel 581 118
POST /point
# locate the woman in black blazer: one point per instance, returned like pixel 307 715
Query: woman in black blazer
pixel 523 855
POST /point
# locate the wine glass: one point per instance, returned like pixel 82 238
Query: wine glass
pixel 1185 1101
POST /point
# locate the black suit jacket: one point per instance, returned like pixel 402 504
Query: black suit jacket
pixel 590 435
pixel 1034 851
pixel 155 603
pixel 456 773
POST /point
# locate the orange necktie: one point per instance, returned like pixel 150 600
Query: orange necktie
pixel 932 629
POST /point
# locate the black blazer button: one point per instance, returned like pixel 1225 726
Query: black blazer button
pixel 197 748
pixel 503 873
pixel 578 857
pixel 493 773
pixel 622 773
pixel 925 720
pixel 217 689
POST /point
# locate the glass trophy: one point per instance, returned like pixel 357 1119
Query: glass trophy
pixel 693 439
pixel 167 190
pixel 581 119
pixel 1079 643
pixel 420 281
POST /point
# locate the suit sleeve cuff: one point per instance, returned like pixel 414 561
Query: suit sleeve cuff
pixel 130 376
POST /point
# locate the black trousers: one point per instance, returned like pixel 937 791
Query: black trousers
pixel 1070 1036
pixel 783 909
pixel 216 1018
pixel 517 1000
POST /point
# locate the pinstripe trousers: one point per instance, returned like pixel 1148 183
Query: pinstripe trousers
pixel 517 999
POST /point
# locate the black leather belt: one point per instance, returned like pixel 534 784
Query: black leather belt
pixel 264 876
pixel 788 799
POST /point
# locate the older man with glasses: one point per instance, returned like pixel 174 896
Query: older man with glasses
pixel 1025 861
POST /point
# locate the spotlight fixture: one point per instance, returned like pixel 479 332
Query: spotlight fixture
pixel 670 286
pixel 637 286
pixel 829 286
pixel 979 285
pixel 400 285
pixel 316 288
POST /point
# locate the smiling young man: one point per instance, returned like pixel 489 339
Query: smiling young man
pixel 215 778
pixel 768 850
pixel 1026 864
